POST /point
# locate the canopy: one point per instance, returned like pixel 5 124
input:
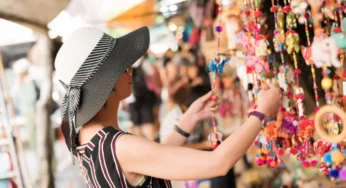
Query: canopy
pixel 142 14
pixel 32 13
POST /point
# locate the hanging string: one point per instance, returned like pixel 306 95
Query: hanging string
pixel 311 63
pixel 216 67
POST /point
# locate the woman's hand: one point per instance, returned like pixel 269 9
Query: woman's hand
pixel 200 109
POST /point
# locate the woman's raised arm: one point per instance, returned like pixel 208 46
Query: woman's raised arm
pixel 137 155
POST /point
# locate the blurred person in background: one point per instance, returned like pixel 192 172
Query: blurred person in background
pixel 143 99
pixel 26 93
pixel 183 76
pixel 176 84
pixel 186 85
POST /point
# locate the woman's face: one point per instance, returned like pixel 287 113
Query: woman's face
pixel 123 86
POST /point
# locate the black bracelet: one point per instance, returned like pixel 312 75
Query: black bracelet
pixel 180 131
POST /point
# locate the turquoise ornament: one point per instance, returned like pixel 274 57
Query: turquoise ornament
pixel 327 158
pixel 217 67
pixel 340 37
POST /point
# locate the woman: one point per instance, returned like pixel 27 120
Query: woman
pixel 94 69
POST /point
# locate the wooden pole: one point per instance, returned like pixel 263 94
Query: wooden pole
pixel 42 56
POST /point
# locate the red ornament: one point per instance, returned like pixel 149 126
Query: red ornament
pixel 306 164
pixel 306 15
pixel 258 14
pixel 274 9
pixel 297 71
pixel 289 94
pixel 293 151
pixel 281 152
pixel 249 69
pixel 251 24
pixel 282 109
pixel 286 9
pixel 260 37
pixel 300 96
pixel 343 74
pixel 337 30
pixel 336 77
pixel 301 118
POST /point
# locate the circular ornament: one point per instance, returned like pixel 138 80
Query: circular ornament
pixel 319 123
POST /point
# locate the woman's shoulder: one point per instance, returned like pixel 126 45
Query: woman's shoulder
pixel 105 133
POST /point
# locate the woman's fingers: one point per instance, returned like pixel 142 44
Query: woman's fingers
pixel 206 96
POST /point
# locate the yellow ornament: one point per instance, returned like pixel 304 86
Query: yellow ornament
pixel 327 83
pixel 338 157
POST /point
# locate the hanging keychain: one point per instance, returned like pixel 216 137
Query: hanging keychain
pixel 292 42
pixel 216 66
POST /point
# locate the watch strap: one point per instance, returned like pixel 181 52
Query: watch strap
pixel 257 114
pixel 261 117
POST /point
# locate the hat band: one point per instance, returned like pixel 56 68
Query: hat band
pixel 89 67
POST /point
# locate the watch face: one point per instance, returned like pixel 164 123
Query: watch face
pixel 264 123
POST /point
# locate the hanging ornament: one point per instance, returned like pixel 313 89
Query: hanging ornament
pixel 325 52
pixel 307 57
pixel 270 149
pixel 216 66
pixel 339 34
pixel 320 126
pixel 298 8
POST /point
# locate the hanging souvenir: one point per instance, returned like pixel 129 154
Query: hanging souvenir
pixel 216 66
pixel 338 33
pixel 325 51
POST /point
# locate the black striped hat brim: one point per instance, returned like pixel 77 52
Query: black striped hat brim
pixel 127 50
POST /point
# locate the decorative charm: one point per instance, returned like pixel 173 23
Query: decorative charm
pixel 262 46
pixel 320 128
pixel 215 138
pixel 339 35
pixel 218 65
pixel 299 8
pixel 325 51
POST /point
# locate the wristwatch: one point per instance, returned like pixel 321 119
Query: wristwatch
pixel 261 117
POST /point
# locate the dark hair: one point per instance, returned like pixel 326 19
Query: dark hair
pixel 105 105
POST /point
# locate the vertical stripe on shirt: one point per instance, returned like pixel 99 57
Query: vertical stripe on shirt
pixel 102 159
pixel 117 166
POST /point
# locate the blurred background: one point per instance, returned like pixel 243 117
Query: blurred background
pixel 169 78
